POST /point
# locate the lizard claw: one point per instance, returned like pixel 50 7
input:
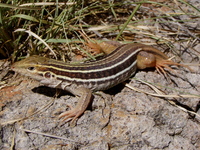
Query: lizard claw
pixel 73 114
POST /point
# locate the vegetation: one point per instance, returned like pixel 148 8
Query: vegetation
pixel 56 29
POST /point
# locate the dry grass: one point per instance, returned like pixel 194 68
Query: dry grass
pixel 59 25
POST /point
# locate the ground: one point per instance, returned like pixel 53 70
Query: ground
pixel 120 119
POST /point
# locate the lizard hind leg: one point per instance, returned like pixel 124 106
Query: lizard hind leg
pixel 160 64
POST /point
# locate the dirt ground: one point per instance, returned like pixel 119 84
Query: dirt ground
pixel 126 119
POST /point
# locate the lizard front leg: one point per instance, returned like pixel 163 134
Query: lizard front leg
pixel 85 96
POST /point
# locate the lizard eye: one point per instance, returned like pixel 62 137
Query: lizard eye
pixel 31 68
